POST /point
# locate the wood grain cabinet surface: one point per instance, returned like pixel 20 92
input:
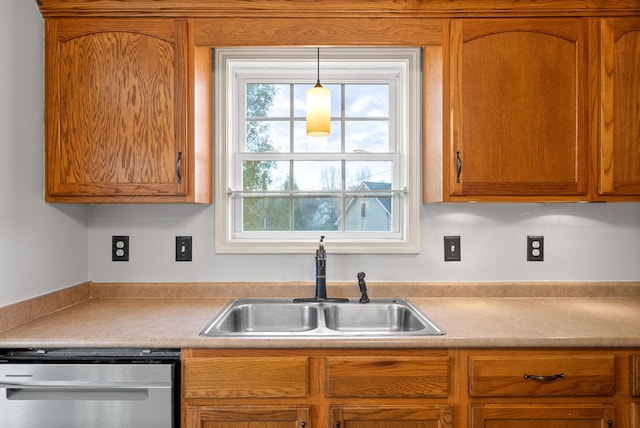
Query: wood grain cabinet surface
pixel 518 109
pixel 526 375
pixel 551 388
pixel 542 416
pixel 116 100
pixel 239 417
pixel 634 374
pixel 619 154
pixel 381 376
pixel 316 388
pixel 523 101
pixel 411 388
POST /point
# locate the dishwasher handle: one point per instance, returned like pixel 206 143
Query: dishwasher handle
pixel 74 391
pixel 82 385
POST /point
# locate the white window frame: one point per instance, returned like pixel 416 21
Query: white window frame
pixel 233 66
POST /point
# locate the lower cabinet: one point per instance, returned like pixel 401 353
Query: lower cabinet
pixel 541 416
pixel 410 388
pixel 241 417
pixel 542 389
pixel 309 388
pixel 428 416
pixel 634 375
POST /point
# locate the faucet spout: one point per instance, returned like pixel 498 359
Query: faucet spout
pixel 321 278
pixel 321 271
pixel 363 288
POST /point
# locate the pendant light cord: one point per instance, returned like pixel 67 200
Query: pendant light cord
pixel 318 81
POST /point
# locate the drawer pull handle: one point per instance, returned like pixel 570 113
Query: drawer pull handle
pixel 545 378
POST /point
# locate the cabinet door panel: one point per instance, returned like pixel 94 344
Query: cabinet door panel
pixel 634 362
pixel 245 377
pixel 620 107
pixel 540 416
pixel 387 377
pixel 518 110
pixel 251 417
pixel 563 375
pixel 116 107
pixel 430 416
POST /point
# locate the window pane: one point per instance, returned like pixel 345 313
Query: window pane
pixel 265 214
pixel 316 213
pixel 265 175
pixel 336 99
pixel 304 144
pixel 368 214
pixel 300 99
pixel 267 136
pixel 317 175
pixel 366 100
pixel 368 136
pixel 376 175
pixel 267 100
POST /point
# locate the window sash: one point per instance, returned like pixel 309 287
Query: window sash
pixel 231 136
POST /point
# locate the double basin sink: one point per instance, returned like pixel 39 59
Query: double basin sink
pixel 286 318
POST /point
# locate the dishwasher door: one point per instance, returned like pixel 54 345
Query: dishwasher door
pixel 94 395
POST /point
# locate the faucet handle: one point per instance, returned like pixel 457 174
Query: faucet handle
pixel 322 253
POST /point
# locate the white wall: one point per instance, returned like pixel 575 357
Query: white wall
pixel 42 247
pixel 583 242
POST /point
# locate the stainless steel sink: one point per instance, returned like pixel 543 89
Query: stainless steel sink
pixel 385 317
pixel 264 317
pixel 285 318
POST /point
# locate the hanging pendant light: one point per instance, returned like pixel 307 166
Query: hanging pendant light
pixel 318 108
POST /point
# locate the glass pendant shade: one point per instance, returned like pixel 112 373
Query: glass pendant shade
pixel 318 111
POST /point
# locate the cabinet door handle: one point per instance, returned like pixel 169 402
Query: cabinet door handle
pixel 337 424
pixel 545 378
pixel 179 168
pixel 458 166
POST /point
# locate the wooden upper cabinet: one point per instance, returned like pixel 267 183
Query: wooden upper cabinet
pixel 116 101
pixel 619 154
pixel 517 117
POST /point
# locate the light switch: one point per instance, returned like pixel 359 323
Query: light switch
pixel 452 251
pixel 183 248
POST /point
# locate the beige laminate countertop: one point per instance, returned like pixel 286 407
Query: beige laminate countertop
pixel 112 317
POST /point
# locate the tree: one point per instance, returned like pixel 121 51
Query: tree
pixel 256 175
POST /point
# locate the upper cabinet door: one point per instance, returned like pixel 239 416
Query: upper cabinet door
pixel 619 161
pixel 116 111
pixel 517 110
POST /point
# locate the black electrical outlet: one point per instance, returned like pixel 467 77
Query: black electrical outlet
pixel 183 248
pixel 452 250
pixel 535 248
pixel 119 248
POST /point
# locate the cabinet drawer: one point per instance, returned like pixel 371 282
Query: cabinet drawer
pixel 244 377
pixel 387 377
pixel 527 375
pixel 635 375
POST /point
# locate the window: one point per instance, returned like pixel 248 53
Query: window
pixel 278 190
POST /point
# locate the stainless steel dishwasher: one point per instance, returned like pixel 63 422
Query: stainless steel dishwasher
pixel 90 388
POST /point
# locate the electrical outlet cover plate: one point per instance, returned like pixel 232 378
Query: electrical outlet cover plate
pixel 535 248
pixel 452 249
pixel 183 248
pixel 119 248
